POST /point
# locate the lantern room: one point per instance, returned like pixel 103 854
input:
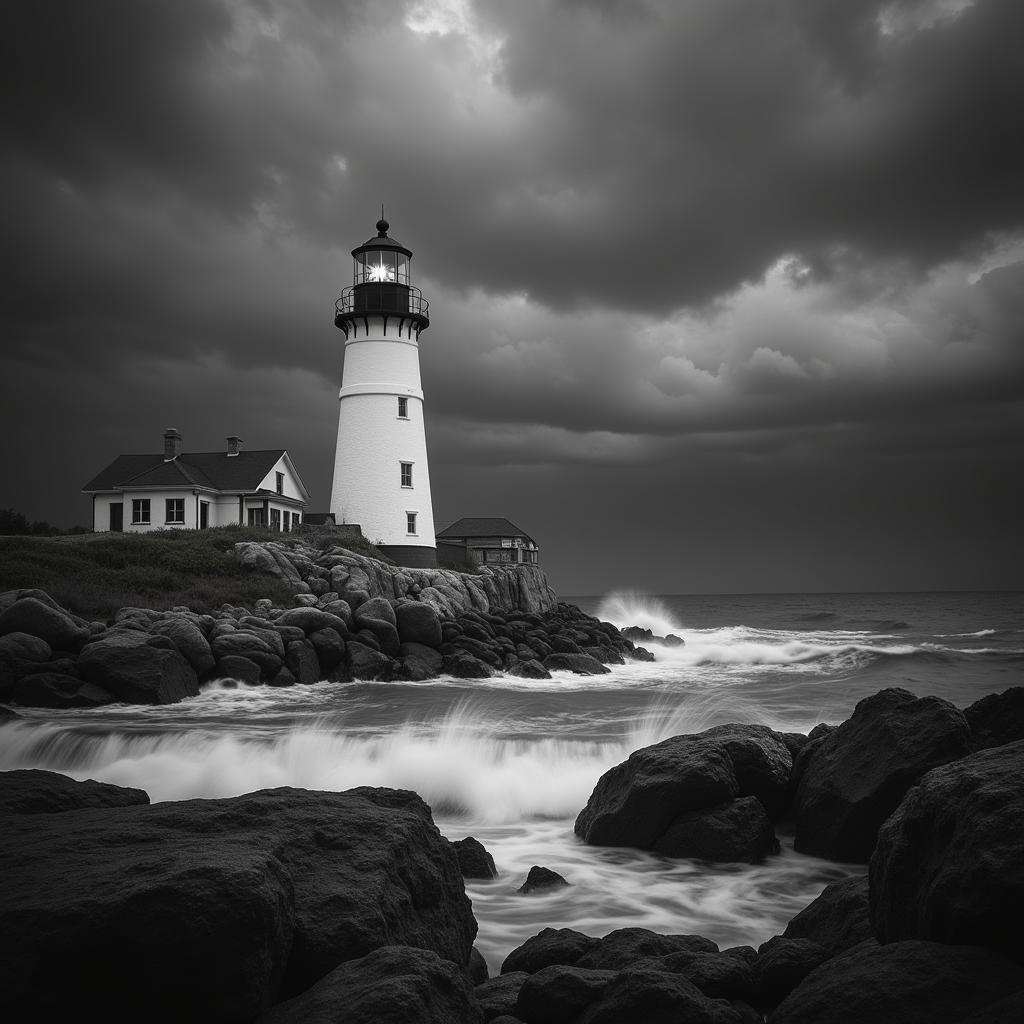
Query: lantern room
pixel 381 287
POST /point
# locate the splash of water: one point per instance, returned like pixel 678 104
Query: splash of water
pixel 624 608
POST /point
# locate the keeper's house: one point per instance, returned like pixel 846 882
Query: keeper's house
pixel 177 490
pixel 490 542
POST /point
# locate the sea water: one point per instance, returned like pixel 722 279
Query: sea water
pixel 512 761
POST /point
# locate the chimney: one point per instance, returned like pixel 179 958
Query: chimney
pixel 172 444
pixel 234 444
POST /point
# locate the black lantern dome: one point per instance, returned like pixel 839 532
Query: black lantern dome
pixel 381 287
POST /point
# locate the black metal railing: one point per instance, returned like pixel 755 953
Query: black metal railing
pixel 397 299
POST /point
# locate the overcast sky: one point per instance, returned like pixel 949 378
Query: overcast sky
pixel 726 295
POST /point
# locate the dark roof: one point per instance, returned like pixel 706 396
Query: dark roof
pixel 483 528
pixel 218 470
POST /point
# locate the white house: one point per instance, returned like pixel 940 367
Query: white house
pixel 178 490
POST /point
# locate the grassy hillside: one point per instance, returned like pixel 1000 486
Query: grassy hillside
pixel 95 574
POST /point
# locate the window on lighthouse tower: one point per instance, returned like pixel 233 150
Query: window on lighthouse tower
pixel 406 474
pixel 403 408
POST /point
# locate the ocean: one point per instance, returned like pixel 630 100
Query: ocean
pixel 512 761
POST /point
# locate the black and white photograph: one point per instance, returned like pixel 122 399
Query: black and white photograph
pixel 512 512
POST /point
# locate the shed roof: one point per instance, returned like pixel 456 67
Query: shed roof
pixel 479 527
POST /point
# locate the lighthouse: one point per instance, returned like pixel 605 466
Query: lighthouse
pixel 381 478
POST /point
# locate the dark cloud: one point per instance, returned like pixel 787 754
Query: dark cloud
pixel 685 261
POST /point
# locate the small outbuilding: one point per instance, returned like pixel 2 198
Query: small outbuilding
pixel 180 490
pixel 490 542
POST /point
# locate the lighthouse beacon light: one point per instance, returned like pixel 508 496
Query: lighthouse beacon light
pixel 381 476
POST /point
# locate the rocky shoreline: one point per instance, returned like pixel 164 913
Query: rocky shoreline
pixel 353 617
pixel 286 905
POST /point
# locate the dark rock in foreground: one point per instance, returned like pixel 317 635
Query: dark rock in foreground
pixel 902 983
pixel 949 865
pixel 838 919
pixel 857 775
pixel 547 947
pixel 650 799
pixel 240 902
pixel 737 830
pixel 997 718
pixel 38 792
pixel 391 985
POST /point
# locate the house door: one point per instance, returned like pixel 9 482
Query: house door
pixel 204 515
pixel 117 517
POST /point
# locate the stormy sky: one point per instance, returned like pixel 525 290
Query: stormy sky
pixel 726 295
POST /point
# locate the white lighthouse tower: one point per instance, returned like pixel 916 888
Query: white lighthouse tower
pixel 381 479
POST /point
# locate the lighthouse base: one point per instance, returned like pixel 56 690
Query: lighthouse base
pixel 411 556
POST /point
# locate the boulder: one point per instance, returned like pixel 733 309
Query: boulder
pixel 547 947
pixel 46 621
pixel 529 669
pixel 301 660
pixel 737 830
pixel 648 995
pixel 329 647
pixel 364 662
pixel 718 975
pixel 540 879
pixel 385 632
pixel 341 609
pixel 636 802
pixel 498 996
pixel 465 666
pixel 997 718
pixel 283 677
pixel 581 664
pixel 137 670
pixel 37 792
pixel 248 644
pixel 311 619
pixel 234 666
pixel 948 865
pixel 476 969
pixel 17 646
pixel 250 899
pixel 623 947
pixel 560 993
pixel 838 919
pixel 376 608
pixel 780 966
pixel 420 662
pixel 901 983
pixel 474 860
pixel 188 638
pixel 858 774
pixel 418 623
pixel 391 985
pixel 58 690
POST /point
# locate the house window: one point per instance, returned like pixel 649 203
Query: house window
pixel 410 523
pixel 403 408
pixel 255 517
pixel 406 474
pixel 280 483
pixel 175 510
pixel 140 511
pixel 275 519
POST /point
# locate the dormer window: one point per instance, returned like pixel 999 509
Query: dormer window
pixel 280 483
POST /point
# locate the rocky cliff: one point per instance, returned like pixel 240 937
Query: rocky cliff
pixel 356 578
